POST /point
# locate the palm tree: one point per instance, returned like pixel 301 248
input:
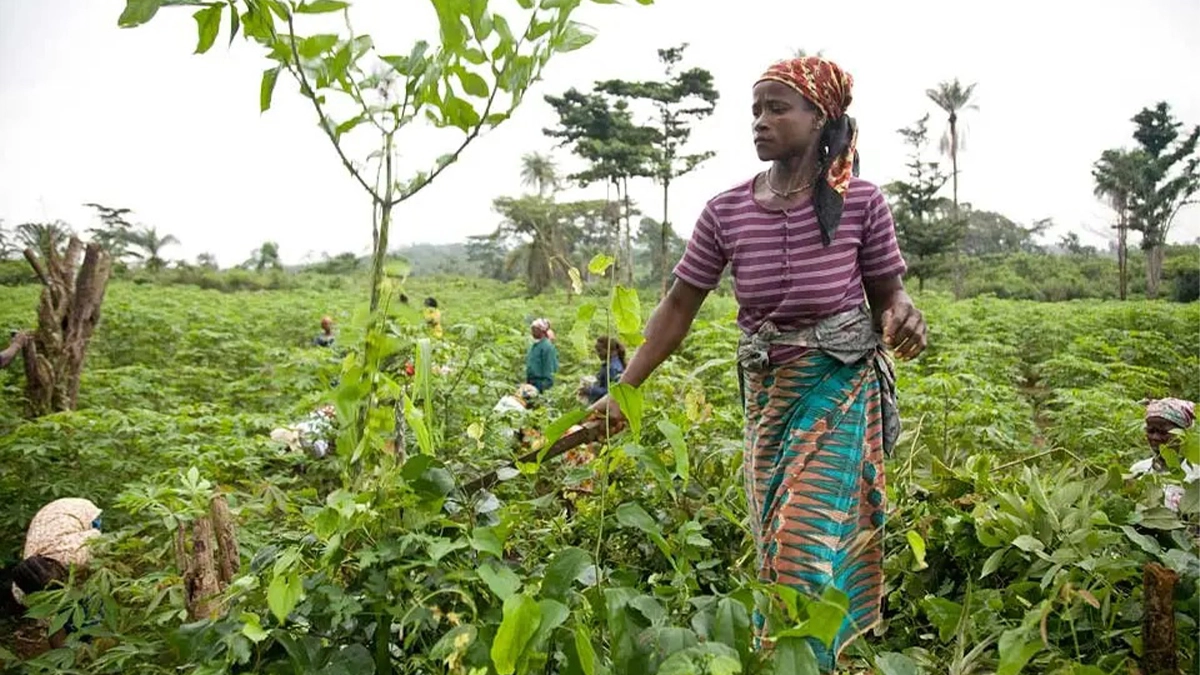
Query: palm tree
pixel 952 98
pixel 1117 173
pixel 149 241
pixel 42 237
pixel 538 170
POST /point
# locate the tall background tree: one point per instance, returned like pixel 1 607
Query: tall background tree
pixel 1168 179
pixel 115 231
pixel 152 243
pixel 602 132
pixel 953 98
pixel 539 171
pixel 1116 174
pixel 925 225
pixel 679 100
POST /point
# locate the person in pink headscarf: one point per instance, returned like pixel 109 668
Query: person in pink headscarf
pixel 1164 417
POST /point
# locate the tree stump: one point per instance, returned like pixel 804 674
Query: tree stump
pixel 68 312
pixel 212 562
pixel 1159 655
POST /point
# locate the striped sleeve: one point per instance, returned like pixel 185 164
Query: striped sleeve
pixel 704 259
pixel 880 255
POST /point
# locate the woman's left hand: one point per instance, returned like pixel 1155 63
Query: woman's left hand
pixel 904 327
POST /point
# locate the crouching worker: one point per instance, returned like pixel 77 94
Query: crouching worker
pixel 315 434
pixel 1163 418
pixel 55 544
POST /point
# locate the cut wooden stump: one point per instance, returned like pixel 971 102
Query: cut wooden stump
pixel 212 561
pixel 1159 654
pixel 68 313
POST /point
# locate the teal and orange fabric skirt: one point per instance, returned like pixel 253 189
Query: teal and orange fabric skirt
pixel 815 485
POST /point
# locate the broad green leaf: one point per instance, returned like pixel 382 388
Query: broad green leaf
pixel 731 626
pixel 565 567
pixel 1015 650
pixel 675 438
pixel 1191 446
pixel 630 400
pixel 283 594
pixel 138 12
pixel 459 113
pixel 794 656
pixel 500 579
pixel 1028 543
pixel 943 614
pixel 312 47
pixel 825 617
pixel 456 640
pixel 892 663
pixel 208 23
pixel 574 36
pixel 522 616
pixel 559 426
pixel 485 540
pixel 1147 544
pixel 267 88
pixel 631 514
pixel 600 264
pixel 627 314
pixel 252 628
pixel 554 614
pixel 472 83
pixel 321 6
pixel 993 562
pixel 348 125
pixel 917 544
pixel 585 650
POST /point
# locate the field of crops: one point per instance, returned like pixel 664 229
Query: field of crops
pixel 1014 543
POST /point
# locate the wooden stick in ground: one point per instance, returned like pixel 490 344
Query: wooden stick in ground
pixel 1159 656
pixel 590 433
pixel 228 560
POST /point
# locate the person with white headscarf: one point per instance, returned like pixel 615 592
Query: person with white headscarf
pixel 57 541
pixel 541 363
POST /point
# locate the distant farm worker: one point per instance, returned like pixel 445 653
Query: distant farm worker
pixel 19 338
pixel 612 363
pixel 56 541
pixel 541 363
pixel 1164 417
pixel 325 337
pixel 433 316
pixel 817 274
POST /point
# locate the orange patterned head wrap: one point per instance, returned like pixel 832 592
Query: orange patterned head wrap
pixel 824 84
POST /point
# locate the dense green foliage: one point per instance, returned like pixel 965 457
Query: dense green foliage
pixel 1012 535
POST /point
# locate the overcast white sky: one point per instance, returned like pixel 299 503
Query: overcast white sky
pixel 90 112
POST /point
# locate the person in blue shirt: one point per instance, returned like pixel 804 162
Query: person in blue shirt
pixel 612 365
pixel 541 363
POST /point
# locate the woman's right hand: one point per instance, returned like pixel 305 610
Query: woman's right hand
pixel 607 408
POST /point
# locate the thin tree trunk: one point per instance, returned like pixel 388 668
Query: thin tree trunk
pixel 957 272
pixel 1154 262
pixel 628 236
pixel 1123 255
pixel 664 263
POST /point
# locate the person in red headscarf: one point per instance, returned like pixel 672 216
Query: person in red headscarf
pixel 817 274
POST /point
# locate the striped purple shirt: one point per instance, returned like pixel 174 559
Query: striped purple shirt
pixel 781 271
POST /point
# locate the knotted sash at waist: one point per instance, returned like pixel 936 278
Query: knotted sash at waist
pixel 849 337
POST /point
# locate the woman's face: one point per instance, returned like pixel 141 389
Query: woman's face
pixel 785 124
pixel 1158 432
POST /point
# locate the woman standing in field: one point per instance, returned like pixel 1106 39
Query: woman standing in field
pixel 808 245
